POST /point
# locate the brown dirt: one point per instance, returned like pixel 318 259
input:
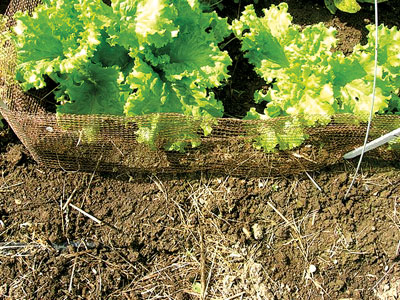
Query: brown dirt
pixel 163 236
pixel 260 236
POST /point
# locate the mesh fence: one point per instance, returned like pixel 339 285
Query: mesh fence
pixel 109 143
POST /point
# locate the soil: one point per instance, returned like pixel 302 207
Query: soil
pixel 198 235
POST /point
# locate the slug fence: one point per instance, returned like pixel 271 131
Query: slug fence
pixel 64 141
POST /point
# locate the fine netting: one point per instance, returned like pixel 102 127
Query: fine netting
pixel 109 143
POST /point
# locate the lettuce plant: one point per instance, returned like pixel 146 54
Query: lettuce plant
pixel 132 58
pixel 350 6
pixel 310 82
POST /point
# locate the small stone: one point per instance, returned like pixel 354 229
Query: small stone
pixel 246 232
pixel 18 201
pixel 312 269
pixel 258 231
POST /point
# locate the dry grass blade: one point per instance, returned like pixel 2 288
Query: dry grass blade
pixel 314 182
pixel 69 199
pixel 202 263
pixel 72 277
pixel 86 214
pixel 4 188
pixel 295 229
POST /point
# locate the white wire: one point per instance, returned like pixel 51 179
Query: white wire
pixel 373 100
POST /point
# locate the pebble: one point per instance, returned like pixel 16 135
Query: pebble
pixel 246 232
pixel 258 231
pixel 312 269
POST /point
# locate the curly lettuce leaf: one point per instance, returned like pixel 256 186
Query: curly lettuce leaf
pixel 281 134
pixel 254 32
pixel 156 131
pixel 146 22
pixel 294 61
pixel 356 98
pixel 176 63
pixel 178 76
pixel 388 50
pixel 109 56
pixel 60 36
pixel 388 78
pixel 94 91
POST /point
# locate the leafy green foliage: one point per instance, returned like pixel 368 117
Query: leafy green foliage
pixel 310 82
pixel 130 58
pixel 350 6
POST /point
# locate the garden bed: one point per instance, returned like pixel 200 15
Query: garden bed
pixel 164 235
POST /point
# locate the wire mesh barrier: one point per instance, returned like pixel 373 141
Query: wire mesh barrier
pixel 109 143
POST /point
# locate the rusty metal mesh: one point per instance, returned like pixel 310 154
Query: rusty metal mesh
pixel 64 141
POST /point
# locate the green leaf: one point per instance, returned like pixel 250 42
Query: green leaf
pixel 196 287
pixel 109 56
pixel 143 22
pixel 96 92
pixel 266 31
pixel 156 131
pixel 346 69
pixel 57 39
pixel 350 6
pixel 357 97
pixel 150 93
pixel 272 135
pixel 388 50
pixel 331 6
